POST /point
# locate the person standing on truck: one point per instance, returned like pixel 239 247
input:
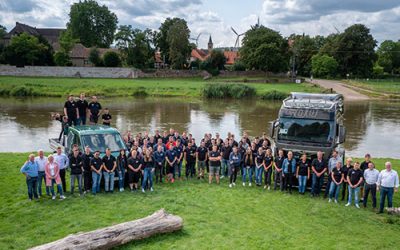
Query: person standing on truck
pixel 268 165
pixel 259 162
pixel 63 162
pixel 122 165
pixel 288 169
pixel 278 169
pixel 134 168
pixel 337 180
pixel 71 111
pixel 82 105
pixel 387 184
pixel 303 173
pixel 234 164
pixel 76 166
pixel 355 179
pixel 87 171
pixel 371 178
pixel 94 108
pixel 318 167
pixel 30 169
pixel 106 117
pixel 109 166
pixel 96 165
pixel 41 160
pixel 331 165
pixel 148 169
pixel 159 159
pixel 345 170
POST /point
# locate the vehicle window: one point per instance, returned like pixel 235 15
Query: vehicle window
pixel 102 141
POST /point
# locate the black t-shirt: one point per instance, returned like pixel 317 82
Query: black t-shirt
pixel 86 161
pixel 202 152
pixel 226 151
pixel 260 158
pixel 190 151
pixel 94 108
pixel 71 108
pixel 76 164
pixel 355 175
pixel 82 107
pixel 96 163
pixel 268 160
pixel 134 162
pixel 345 170
pixel 318 165
pixel 337 174
pixel 364 165
pixel 109 162
pixel 179 151
pixel 279 161
pixel 214 154
pixel 106 117
pixel 148 164
pixel 303 168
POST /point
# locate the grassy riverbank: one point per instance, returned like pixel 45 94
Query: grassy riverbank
pixel 377 88
pixel 185 87
pixel 214 216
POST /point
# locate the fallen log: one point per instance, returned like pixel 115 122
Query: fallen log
pixel 393 210
pixel 106 238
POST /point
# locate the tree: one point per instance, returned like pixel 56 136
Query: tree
pixel 62 59
pixel 217 59
pixel 46 58
pixel 303 48
pixel 111 59
pixel 94 57
pixel 3 32
pixel 389 56
pixel 264 49
pixel 67 42
pixel 239 66
pixel 179 46
pixel 25 50
pixel 324 66
pixel 92 24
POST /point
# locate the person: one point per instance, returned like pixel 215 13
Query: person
pixel 159 160
pixel 148 169
pixel 30 169
pixel 303 173
pixel 134 168
pixel 190 158
pixel 214 157
pixel 354 179
pixel 63 162
pixel 201 157
pixel 179 158
pixel 87 171
pixel 370 179
pixel 109 166
pixel 95 109
pixel 41 160
pixel 234 164
pixel 363 167
pixel 345 170
pixel 53 177
pixel 122 164
pixel 318 168
pixel 388 182
pixel 71 111
pixel 249 161
pixel 278 169
pixel 259 162
pixel 76 166
pixel 288 169
pixel 106 117
pixel 268 163
pixel 331 165
pixel 96 165
pixel 171 159
pixel 82 105
pixel 337 177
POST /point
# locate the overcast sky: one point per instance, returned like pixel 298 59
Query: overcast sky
pixel 215 17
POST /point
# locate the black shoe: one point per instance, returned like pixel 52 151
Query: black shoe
pixel 379 212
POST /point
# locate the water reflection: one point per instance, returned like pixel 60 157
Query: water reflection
pixel 26 125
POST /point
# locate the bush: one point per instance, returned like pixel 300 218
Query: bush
pixel 226 90
pixel 94 57
pixel 62 59
pixel 239 66
pixel 324 66
pixel 21 91
pixel 141 91
pixel 111 59
pixel 274 95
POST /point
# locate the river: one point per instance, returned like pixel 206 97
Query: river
pixel 372 126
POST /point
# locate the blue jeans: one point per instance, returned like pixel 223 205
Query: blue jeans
pixel 178 169
pixel 96 178
pixel 259 172
pixel 59 188
pixel 42 177
pixel 334 189
pixel 81 120
pixel 302 183
pixel 356 192
pixel 247 170
pixel 121 178
pixel 316 184
pixel 386 192
pixel 31 182
pixel 147 177
pixel 108 181
pixel 225 168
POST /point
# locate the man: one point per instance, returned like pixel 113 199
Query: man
pixel 201 157
pixel 96 165
pixel 190 157
pixel 109 166
pixel 82 105
pixel 171 159
pixel 318 167
pixel 106 117
pixel 331 165
pixel 179 157
pixel 215 164
pixel 226 150
pixel 87 172
pixel 62 160
pixel 288 169
pixel 345 170
pixel 371 178
pixel 278 169
pixel 71 111
pixel 76 166
pixel 94 110
pixel 159 158
pixel 354 179
pixel 363 167
pixel 388 182
pixel 161 144
pixel 41 161
pixel 30 169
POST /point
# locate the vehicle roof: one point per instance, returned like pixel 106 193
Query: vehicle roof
pixel 94 129
pixel 314 101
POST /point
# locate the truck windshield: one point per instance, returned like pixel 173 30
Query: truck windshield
pixel 304 130
pixel 102 141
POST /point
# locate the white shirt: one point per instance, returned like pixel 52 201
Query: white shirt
pixel 62 160
pixel 51 167
pixel 332 163
pixel 388 179
pixel 41 162
pixel 371 176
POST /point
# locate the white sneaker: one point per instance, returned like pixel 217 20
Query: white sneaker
pixel 151 189
pixel 121 189
pixel 230 185
pixel 357 206
pixel 62 197
pixel 222 177
pixel 244 184
pixel 53 197
pixel 330 200
pixel 249 184
pixel 234 184
pixel 336 201
pixel 348 204
pixel 269 188
pixel 142 190
pixel 265 187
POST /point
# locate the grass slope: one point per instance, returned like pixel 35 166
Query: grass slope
pixel 215 217
pixel 380 87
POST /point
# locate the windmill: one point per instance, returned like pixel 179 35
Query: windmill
pixel 237 37
pixel 257 25
pixel 196 39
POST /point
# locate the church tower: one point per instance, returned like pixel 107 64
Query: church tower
pixel 210 44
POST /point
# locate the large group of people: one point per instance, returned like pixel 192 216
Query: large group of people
pixel 171 156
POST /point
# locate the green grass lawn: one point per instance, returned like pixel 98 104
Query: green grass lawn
pixel 379 86
pixel 215 217
pixel 187 87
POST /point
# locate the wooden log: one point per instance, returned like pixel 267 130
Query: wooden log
pixel 393 210
pixel 106 238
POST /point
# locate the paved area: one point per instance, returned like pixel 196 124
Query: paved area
pixel 337 86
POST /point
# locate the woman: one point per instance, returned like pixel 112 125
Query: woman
pixel 303 173
pixel 53 176
pixel 268 161
pixel 122 165
pixel 259 166
pixel 234 164
pixel 337 176
pixel 148 169
pixel 248 167
pixel 134 166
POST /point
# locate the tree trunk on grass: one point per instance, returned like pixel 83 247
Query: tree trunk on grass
pixel 393 210
pixel 106 238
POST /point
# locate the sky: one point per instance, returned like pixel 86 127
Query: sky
pixel 216 17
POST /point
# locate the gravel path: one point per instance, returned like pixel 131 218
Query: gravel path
pixel 337 86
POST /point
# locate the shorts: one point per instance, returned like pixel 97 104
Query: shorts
pixel 214 170
pixel 133 177
pixel 94 118
pixel 201 164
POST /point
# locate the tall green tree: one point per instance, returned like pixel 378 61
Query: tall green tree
pixel 25 50
pixel 3 32
pixel 264 49
pixel 324 66
pixel 303 48
pixel 92 24
pixel 179 45
pixel 389 56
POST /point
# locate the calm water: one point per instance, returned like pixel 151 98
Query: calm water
pixel 372 127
